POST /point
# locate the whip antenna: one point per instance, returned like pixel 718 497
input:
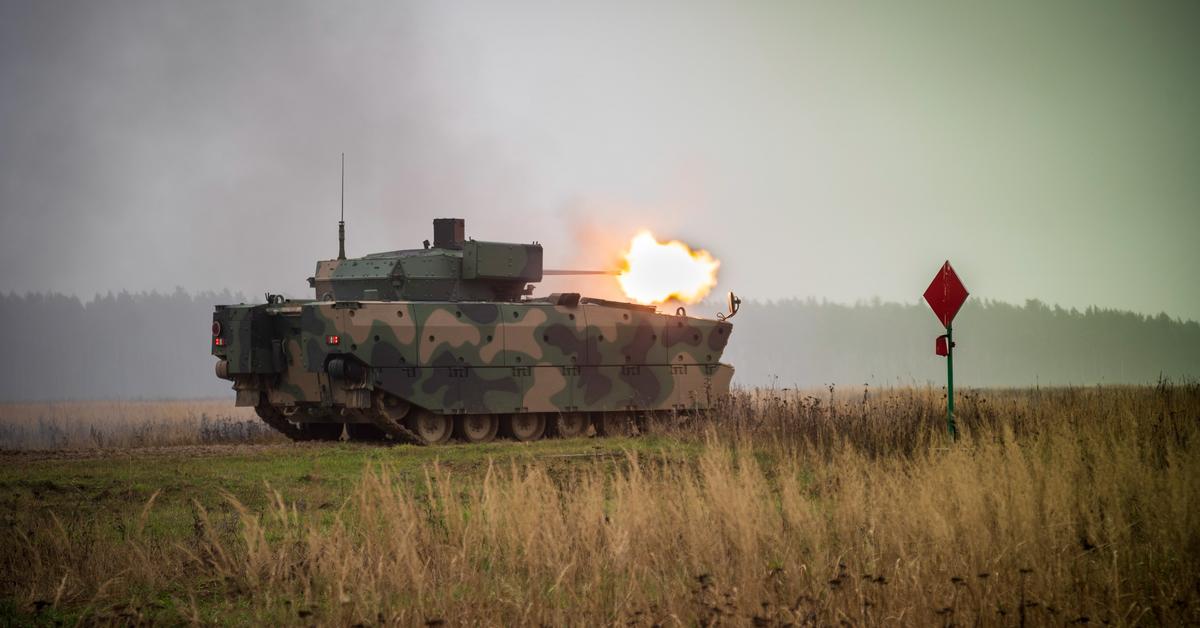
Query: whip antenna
pixel 342 219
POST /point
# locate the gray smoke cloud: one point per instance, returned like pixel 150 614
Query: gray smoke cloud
pixel 836 151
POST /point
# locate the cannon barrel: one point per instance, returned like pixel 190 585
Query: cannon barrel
pixel 579 272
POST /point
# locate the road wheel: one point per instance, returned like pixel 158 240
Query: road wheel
pixel 364 432
pixel 432 428
pixel 478 428
pixel 613 424
pixel 569 424
pixel 527 426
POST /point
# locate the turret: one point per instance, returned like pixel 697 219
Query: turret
pixel 454 268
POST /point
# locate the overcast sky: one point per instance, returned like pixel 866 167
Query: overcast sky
pixel 839 150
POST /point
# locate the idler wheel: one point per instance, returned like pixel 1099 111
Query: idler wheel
pixel 430 427
pixel 392 408
pixel 478 428
pixel 570 424
pixel 527 426
pixel 278 418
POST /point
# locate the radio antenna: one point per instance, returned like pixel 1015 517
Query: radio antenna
pixel 342 220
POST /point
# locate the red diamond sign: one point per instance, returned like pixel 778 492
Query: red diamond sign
pixel 946 294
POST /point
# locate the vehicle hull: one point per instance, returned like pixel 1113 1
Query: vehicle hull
pixel 331 357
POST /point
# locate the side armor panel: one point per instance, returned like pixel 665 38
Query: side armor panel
pixel 463 357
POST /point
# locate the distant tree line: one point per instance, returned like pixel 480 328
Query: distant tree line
pixel 132 346
pixel 154 345
pixel 813 343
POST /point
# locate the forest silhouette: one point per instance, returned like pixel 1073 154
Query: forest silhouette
pixel 156 345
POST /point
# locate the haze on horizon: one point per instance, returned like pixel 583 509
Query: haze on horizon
pixel 836 151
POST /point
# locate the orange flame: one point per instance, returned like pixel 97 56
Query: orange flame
pixel 655 272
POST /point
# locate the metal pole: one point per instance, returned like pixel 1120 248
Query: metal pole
pixel 950 385
pixel 342 219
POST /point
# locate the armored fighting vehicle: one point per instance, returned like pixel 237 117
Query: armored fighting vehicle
pixel 422 345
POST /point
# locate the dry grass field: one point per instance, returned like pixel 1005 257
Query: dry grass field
pixel 81 425
pixel 1063 506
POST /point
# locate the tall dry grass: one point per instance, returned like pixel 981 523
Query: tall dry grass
pixel 1056 507
pixel 125 424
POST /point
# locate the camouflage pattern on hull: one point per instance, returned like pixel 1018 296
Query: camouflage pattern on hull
pixel 478 357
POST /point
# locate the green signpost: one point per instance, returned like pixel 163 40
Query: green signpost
pixel 945 296
pixel 950 385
